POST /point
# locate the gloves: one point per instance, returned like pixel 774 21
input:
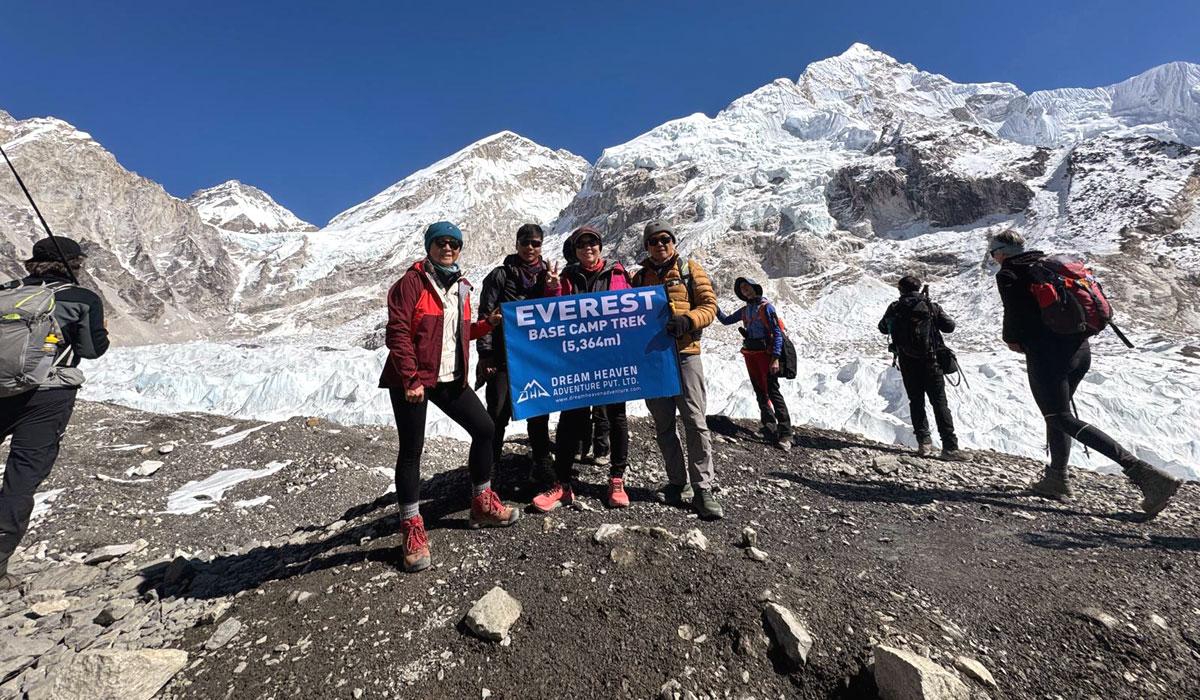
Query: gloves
pixel 679 326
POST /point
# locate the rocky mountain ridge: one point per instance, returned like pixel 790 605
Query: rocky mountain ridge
pixel 235 206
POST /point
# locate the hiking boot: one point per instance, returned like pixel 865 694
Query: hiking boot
pixel 678 495
pixel 602 460
pixel 767 434
pixel 557 495
pixel 924 449
pixel 617 498
pixel 1053 485
pixel 488 511
pixel 706 505
pixel 955 455
pixel 416 544
pixel 8 582
pixel 785 444
pixel 1157 486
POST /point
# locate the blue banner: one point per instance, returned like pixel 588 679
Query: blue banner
pixel 589 349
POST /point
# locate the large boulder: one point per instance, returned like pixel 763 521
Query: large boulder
pixel 110 674
pixel 903 675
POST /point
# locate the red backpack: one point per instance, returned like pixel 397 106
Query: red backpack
pixel 1071 298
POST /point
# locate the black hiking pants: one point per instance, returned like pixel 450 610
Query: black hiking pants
pixel 36 421
pixel 1056 367
pixel 499 407
pixel 460 405
pixel 923 378
pixel 573 429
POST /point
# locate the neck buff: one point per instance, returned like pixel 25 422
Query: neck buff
pixel 446 275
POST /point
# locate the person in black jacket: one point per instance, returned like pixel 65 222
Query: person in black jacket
pixel 37 419
pixel 523 275
pixel 1056 365
pixel 916 325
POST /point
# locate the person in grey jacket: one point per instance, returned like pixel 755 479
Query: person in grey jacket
pixel 37 419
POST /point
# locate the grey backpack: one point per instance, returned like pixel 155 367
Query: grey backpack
pixel 29 337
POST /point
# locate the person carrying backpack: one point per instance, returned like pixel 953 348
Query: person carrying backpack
pixel 521 276
pixel 1056 363
pixel 916 325
pixel 762 347
pixel 693 307
pixel 43 314
pixel 588 273
pixel 428 337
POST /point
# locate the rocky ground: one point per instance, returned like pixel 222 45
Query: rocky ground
pixel 875 565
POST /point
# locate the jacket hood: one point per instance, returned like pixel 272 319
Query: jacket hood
pixel 737 287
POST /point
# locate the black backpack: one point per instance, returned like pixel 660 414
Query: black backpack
pixel 913 327
pixel 787 359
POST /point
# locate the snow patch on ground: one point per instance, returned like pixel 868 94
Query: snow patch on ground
pixel 196 496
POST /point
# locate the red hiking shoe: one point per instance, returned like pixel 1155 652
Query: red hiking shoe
pixel 557 495
pixel 617 498
pixel 416 544
pixel 488 511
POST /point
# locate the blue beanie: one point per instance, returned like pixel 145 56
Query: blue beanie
pixel 442 229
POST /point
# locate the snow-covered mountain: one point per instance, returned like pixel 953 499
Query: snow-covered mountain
pixel 235 206
pixel 163 273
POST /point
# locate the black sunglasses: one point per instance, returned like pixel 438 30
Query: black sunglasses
pixel 587 242
pixel 451 243
pixel 659 240
pixel 531 242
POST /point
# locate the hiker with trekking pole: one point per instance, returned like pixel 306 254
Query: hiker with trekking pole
pixel 48 324
pixel 915 324
pixel 769 355
pixel 1052 305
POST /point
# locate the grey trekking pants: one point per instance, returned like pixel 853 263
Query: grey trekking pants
pixel 691 404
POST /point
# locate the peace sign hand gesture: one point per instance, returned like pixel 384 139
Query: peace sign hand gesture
pixel 552 276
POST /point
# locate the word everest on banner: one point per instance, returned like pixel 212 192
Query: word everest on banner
pixel 589 349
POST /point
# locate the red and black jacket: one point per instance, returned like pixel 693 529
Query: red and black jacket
pixel 414 331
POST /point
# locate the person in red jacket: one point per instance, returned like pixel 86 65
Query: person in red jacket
pixel 589 272
pixel 428 337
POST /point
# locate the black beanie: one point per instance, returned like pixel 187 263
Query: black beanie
pixel 909 284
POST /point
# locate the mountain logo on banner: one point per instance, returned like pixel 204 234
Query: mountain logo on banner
pixel 532 390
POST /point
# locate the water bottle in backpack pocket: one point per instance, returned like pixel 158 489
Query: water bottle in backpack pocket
pixel 29 337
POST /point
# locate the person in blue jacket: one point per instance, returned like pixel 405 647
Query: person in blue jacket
pixel 762 346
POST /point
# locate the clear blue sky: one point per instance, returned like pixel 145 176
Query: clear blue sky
pixel 325 104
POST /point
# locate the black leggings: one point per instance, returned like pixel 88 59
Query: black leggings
pixel 1055 370
pixel 573 430
pixel 499 407
pixel 461 406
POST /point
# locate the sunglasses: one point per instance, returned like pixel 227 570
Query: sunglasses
pixel 660 240
pixel 531 243
pixel 451 243
pixel 586 243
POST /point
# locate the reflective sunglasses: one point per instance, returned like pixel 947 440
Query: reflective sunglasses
pixel 451 243
pixel 659 240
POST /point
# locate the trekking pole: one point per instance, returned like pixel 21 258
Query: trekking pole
pixel 1076 412
pixel 66 264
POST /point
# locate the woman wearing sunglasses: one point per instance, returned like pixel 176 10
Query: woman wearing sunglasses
pixel 428 338
pixel 588 273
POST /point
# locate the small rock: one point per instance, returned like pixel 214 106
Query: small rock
pixel 749 537
pixel 112 551
pixel 1158 621
pixel 146 468
pixel 47 608
pixel 671 690
pixel 686 633
pixel 493 615
pixel 180 570
pixel 166 449
pixel 225 632
pixel 694 539
pixel 113 612
pixel 1099 617
pixel 975 670
pixel 607 532
pixel 903 675
pixel 547 524
pixel 756 554
pixel 789 633
pixel 886 464
pixel 622 556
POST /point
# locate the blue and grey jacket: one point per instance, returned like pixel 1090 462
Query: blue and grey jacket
pixel 758 335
